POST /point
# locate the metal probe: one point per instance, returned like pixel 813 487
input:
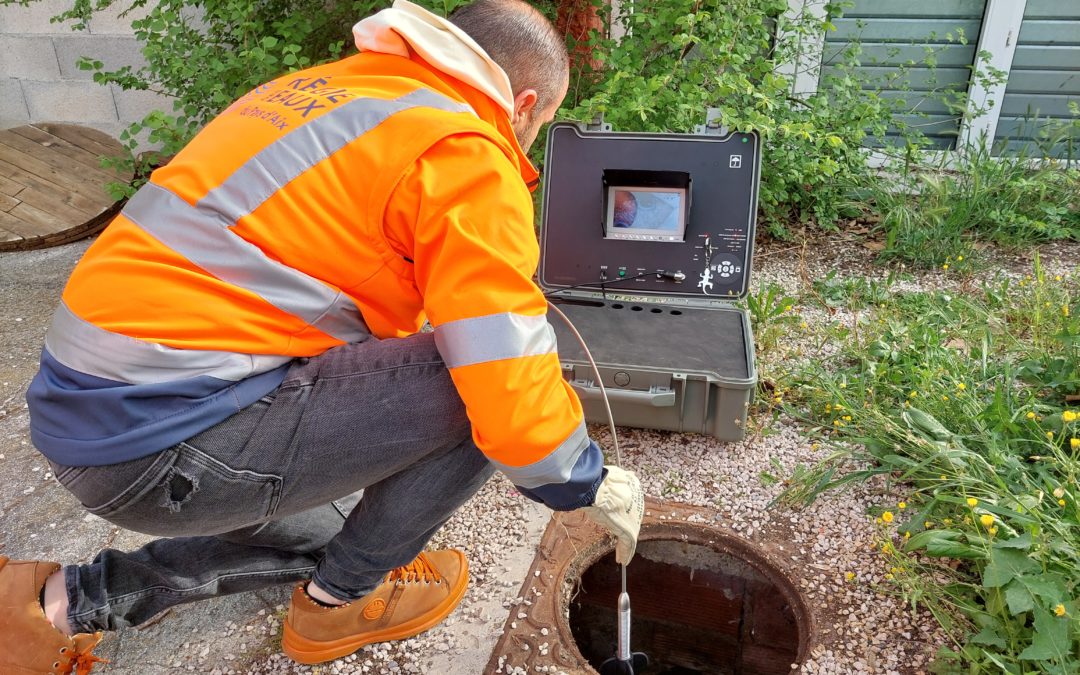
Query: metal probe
pixel 625 662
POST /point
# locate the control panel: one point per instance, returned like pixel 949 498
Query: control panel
pixel 667 217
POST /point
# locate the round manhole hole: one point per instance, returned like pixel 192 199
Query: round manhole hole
pixel 701 602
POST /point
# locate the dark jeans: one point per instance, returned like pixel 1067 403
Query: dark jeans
pixel 267 496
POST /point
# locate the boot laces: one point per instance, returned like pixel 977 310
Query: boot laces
pixel 418 570
pixel 83 661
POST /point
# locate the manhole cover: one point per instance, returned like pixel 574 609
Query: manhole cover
pixel 704 601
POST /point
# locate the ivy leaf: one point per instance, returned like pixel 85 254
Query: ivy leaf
pixel 1006 563
pixel 1050 639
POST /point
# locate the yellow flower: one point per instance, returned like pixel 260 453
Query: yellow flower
pixel 887 516
pixel 992 531
pixel 850 576
pixel 961 386
pixel 1031 415
pixel 843 385
pixel 959 258
pixel 945 266
pixel 927 525
pixel 846 418
pixel 986 519
pixel 907 535
pixel 944 477
pixel 1059 610
pixel 887 548
pixel 828 407
pixel 1065 310
pixel 1074 443
pixel 1061 502
pixel 972 502
pixel 944 398
pixel 1057 277
pixel 815 446
pixel 1049 435
pixel 787 308
pixel 804 325
pixel 890 576
pixel 913 394
pixel 947 521
pixel 1068 416
pixel 836 423
pixel 902 505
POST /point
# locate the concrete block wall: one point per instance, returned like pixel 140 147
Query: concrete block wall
pixel 39 78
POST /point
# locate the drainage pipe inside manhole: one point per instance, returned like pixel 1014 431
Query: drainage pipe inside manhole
pixel 702 603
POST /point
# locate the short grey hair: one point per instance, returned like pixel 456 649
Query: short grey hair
pixel 522 41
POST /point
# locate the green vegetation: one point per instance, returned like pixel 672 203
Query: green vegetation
pixel 968 402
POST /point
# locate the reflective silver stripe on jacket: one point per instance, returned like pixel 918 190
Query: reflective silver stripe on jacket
pixel 82 346
pixel 555 468
pixel 201 232
pixel 493 338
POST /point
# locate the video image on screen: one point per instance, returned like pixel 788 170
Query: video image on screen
pixel 647 214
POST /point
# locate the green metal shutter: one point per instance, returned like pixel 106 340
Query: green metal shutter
pixel 1045 77
pixel 898 33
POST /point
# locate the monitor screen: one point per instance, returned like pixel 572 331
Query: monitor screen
pixel 645 213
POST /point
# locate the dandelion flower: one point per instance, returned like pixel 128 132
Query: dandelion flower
pixel 1057 277
pixel 815 446
pixel 947 521
pixel 907 535
pixel 1049 435
pixel 944 398
pixel 1065 310
pixel 890 576
pixel 1074 443
pixel 1031 415
pixel 887 548
pixel 945 267
pixel 959 258
pixel 913 394
pixel 992 531
pixel 986 519
pixel 887 516
pixel 972 502
pixel 1068 416
pixel 1059 609
pixel 804 325
pixel 902 505
pixel 927 525
pixel 850 576
pixel 1061 502
pixel 961 386
pixel 944 477
pixel 846 418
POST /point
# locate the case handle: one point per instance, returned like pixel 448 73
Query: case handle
pixel 662 398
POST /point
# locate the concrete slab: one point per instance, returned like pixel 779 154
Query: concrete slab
pixel 30 57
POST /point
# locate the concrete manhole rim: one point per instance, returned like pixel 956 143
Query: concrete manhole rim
pixel 692 533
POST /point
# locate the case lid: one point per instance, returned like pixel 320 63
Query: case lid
pixel 666 218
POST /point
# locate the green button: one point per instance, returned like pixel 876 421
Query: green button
pixel 622 273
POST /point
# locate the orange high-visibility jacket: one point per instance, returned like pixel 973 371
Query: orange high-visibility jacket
pixel 359 197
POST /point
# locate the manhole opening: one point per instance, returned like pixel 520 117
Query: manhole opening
pixel 696 609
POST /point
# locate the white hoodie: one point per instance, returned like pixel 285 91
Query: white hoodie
pixel 437 41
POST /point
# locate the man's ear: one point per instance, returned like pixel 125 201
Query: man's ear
pixel 524 103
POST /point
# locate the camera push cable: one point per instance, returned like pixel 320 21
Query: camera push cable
pixel 624 662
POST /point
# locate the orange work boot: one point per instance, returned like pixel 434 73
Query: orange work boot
pixel 29 644
pixel 410 600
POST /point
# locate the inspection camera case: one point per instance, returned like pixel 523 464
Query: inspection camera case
pixel 656 306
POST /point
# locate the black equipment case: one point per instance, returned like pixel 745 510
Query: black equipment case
pixel 646 246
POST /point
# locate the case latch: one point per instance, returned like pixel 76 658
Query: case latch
pixel 712 126
pixel 597 124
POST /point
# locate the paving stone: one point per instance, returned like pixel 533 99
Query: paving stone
pixel 80 102
pixel 31 58
pixel 13 111
pixel 114 52
pixel 34 18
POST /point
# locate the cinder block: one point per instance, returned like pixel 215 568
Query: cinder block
pixel 78 102
pixel 13 111
pixel 133 105
pixel 28 58
pixel 114 51
pixel 109 22
pixel 34 18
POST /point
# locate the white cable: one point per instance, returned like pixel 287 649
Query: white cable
pixel 599 381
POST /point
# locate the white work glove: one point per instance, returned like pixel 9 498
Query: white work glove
pixel 619 506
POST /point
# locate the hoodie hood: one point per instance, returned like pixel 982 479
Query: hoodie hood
pixel 440 43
